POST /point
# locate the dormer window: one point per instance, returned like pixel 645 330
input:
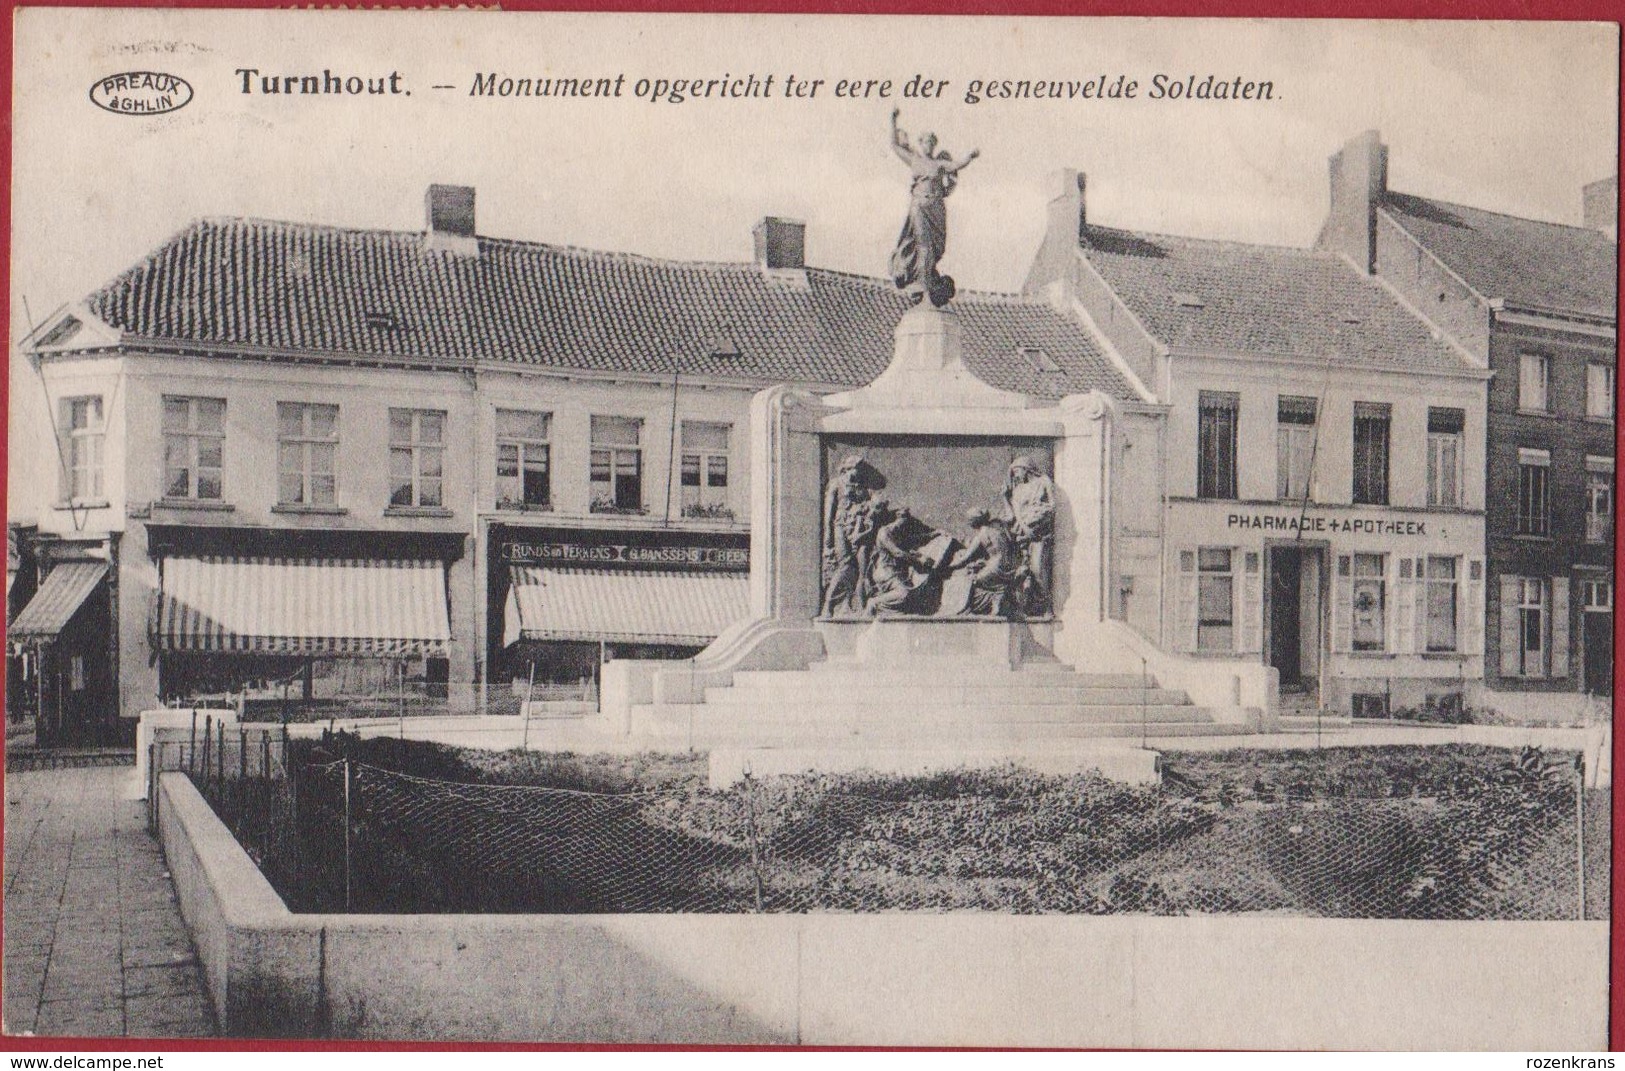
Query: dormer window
pixel 1188 300
pixel 1040 360
pixel 62 332
pixel 382 321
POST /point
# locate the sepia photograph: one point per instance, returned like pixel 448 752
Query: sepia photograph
pixel 525 528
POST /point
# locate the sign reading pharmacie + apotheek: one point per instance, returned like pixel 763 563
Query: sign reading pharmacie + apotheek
pixel 651 551
pixel 1308 524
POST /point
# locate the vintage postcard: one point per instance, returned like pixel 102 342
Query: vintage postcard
pixel 811 530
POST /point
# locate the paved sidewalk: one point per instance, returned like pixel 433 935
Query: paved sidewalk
pixel 94 942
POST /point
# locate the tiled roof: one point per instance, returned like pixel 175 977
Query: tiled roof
pixel 1522 261
pixel 1263 301
pixel 301 288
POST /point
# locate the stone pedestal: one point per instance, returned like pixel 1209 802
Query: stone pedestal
pixel 790 678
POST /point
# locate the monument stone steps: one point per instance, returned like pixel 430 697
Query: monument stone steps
pixel 813 710
pixel 880 690
pixel 902 730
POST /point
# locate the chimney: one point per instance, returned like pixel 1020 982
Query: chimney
pixel 1068 214
pixel 1601 206
pixel 781 244
pixel 1359 179
pixel 450 212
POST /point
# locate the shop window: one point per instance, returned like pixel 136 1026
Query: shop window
pixel 1534 504
pixel 84 434
pixel 1534 381
pixel 417 456
pixel 194 443
pixel 1599 507
pixel 307 454
pixel 1371 428
pixel 617 465
pixel 1531 654
pixel 1439 586
pixel 1370 602
pixel 1216 599
pixel 1444 456
pixel 1369 705
pixel 1600 391
pixel 1218 414
pixel 523 460
pixel 705 470
pixel 1294 446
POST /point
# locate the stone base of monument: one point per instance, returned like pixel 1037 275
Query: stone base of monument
pixel 948 685
pixel 862 649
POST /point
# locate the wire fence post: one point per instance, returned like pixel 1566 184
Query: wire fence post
pixel 346 833
pixel 1145 709
pixel 1580 833
pixel 220 755
pixel 191 746
pixel 524 710
pixel 208 737
pixel 750 834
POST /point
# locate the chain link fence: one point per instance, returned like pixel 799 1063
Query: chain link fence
pixel 1503 837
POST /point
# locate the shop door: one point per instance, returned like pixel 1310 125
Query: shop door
pixel 1599 652
pixel 1286 602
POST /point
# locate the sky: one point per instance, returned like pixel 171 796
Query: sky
pixel 1513 117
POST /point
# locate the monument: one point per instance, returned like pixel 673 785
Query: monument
pixel 932 562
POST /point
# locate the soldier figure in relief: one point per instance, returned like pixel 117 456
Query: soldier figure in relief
pixel 1030 496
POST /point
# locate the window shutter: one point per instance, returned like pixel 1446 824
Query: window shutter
pixel 1342 604
pixel 1417 638
pixel 1402 621
pixel 1509 626
pixel 1184 638
pixel 1472 610
pixel 1251 633
pixel 1560 626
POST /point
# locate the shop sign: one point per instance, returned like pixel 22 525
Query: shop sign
pixel 1300 524
pixel 586 554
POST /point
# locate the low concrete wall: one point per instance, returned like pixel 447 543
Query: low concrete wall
pixel 886 979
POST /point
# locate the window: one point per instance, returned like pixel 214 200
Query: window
pixel 307 454
pixel 1444 456
pixel 1215 597
pixel 1439 586
pixel 617 465
pixel 1597 595
pixel 705 469
pixel 1534 506
pixel 1371 421
pixel 194 440
pixel 1370 603
pixel 1534 379
pixel 1600 391
pixel 416 457
pixel 523 477
pixel 1599 507
pixel 76 673
pixel 1369 705
pixel 1216 444
pixel 85 431
pixel 1294 446
pixel 1531 627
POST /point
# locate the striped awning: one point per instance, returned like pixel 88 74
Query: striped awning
pixel 303 606
pixel 64 590
pixel 623 606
